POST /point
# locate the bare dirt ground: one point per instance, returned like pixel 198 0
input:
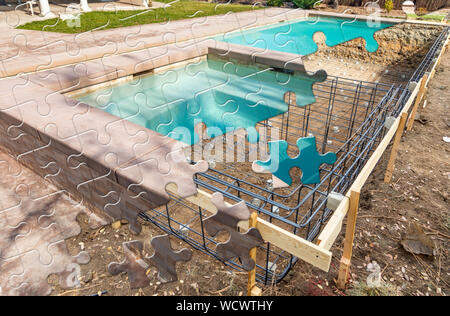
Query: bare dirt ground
pixel 418 193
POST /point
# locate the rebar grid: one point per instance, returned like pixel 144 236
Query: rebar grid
pixel 433 52
pixel 348 118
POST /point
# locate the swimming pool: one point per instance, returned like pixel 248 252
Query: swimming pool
pixel 297 37
pixel 224 96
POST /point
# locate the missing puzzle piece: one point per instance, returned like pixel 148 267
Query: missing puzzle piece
pixel 165 258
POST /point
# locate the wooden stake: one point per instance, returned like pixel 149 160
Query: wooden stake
pixel 398 136
pixel 252 289
pixel 344 266
pixel 416 104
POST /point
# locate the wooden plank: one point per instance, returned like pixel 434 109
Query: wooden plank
pixel 371 163
pixel 334 225
pixel 349 237
pixel 393 156
pixel 251 284
pixel 411 97
pixel 412 116
pixel 279 237
pixel 433 72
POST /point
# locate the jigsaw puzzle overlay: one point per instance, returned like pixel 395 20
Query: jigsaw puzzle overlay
pixel 226 219
pixel 297 38
pixel 137 265
pixel 226 96
pixel 308 160
pixel 111 153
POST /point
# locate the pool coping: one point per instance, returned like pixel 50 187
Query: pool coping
pixel 248 54
pixel 122 155
pixel 264 17
pixel 185 36
pixel 30 103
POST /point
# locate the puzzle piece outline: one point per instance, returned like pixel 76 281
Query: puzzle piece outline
pixel 308 160
pixel 226 219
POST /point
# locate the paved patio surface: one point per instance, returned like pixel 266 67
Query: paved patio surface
pixel 28 51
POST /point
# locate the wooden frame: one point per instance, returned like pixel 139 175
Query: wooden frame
pixel 422 91
pixel 393 156
pixel 350 203
pixel 295 245
pixel 252 289
pixel 319 254
pixel 344 267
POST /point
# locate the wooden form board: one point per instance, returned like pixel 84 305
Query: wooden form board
pixel 330 232
pixel 281 238
pixel 316 254
pixel 420 95
pixel 393 157
pixel 252 289
pixel 344 267
pixel 433 70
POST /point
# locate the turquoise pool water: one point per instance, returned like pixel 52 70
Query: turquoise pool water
pixel 297 37
pixel 222 95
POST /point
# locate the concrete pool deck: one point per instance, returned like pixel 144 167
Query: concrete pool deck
pixel 83 149
pixel 23 51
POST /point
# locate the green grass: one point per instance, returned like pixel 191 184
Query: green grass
pixel 106 20
pixel 433 17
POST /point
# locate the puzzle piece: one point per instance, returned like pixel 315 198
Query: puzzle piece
pixel 9 268
pixel 88 152
pixel 308 160
pixel 37 224
pixel 165 258
pixel 134 264
pixel 226 219
pixel 35 219
pixel 34 279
